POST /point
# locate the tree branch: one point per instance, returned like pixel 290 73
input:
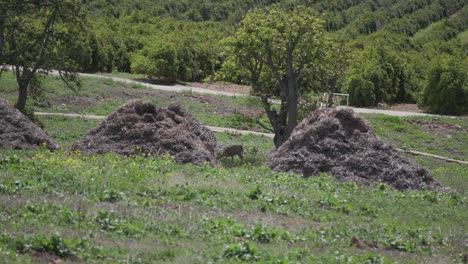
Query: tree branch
pixel 262 125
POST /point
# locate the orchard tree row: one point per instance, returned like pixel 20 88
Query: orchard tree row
pixel 378 51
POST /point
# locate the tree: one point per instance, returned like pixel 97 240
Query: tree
pixel 380 75
pixel 39 36
pixel 333 73
pixel 181 50
pixel 158 59
pixel 274 49
pixel 446 91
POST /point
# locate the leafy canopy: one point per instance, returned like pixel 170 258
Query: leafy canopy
pixel 446 91
pixel 275 50
pixel 39 36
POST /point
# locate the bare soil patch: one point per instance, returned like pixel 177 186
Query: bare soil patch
pixel 18 132
pixel 345 145
pixel 365 245
pixel 407 108
pixel 438 127
pixel 219 107
pixel 144 128
pixel 75 100
pixel 45 257
pixel 216 106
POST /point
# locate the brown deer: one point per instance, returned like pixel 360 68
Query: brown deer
pixel 232 151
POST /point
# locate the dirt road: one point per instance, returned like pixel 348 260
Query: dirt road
pixel 198 90
pixel 212 128
pixel 170 88
pixel 390 112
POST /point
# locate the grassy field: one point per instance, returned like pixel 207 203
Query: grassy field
pixel 98 96
pixel 437 135
pixel 112 209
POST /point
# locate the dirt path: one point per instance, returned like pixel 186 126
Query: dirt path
pixel 391 112
pixel 92 117
pixel 170 88
pixel 198 90
pixel 212 128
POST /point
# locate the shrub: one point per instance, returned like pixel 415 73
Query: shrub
pixel 159 59
pixel 446 91
pixel 361 92
pixel 244 251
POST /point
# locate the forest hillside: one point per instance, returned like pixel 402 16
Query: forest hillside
pixel 381 52
pixel 393 46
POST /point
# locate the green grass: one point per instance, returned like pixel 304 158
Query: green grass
pixel 103 96
pixel 399 132
pixel 112 209
pixel 109 209
pixel 8 87
pixel 66 130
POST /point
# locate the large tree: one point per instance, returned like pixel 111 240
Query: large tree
pixel 40 36
pixel 275 49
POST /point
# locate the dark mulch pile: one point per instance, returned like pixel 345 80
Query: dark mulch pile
pixel 144 128
pixel 18 132
pixel 345 145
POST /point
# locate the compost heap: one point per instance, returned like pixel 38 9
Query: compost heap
pixel 18 132
pixel 345 145
pixel 144 128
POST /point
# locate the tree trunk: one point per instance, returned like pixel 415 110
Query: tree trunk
pixel 277 121
pixel 23 78
pixel 292 108
pixel 292 95
pixel 331 91
pixel 22 95
pixel 280 136
pixel 2 37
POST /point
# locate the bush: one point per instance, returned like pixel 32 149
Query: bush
pixel 446 91
pixel 156 60
pixel 361 92
pixel 243 251
pixel 380 75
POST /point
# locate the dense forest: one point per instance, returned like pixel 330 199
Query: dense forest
pixel 395 51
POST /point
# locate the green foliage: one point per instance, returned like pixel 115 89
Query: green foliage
pixel 181 40
pixel 160 48
pixel 55 244
pixel 156 60
pixel 361 91
pixel 446 91
pixel 378 75
pixel 39 37
pixel 242 251
pixel 276 48
pixel 215 212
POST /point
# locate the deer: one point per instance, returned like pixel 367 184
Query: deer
pixel 232 151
